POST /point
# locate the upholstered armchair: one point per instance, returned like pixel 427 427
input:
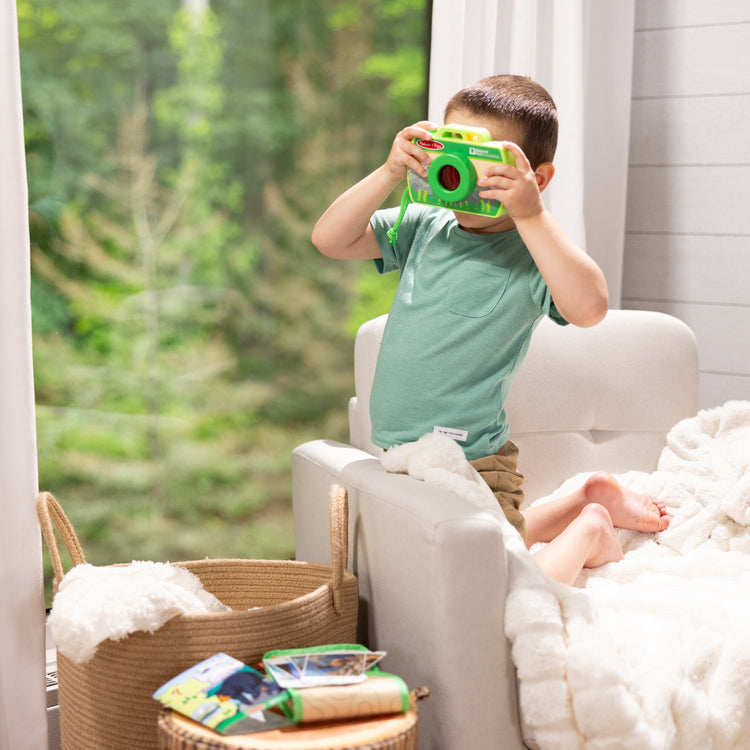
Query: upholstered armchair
pixel 432 568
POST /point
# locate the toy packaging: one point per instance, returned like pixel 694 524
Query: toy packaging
pixel 335 682
pixel 309 668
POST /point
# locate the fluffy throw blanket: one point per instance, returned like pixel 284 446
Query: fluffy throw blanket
pixel 652 652
pixel 93 603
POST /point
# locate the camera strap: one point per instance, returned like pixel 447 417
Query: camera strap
pixel 393 232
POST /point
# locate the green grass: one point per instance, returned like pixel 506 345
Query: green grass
pixel 228 496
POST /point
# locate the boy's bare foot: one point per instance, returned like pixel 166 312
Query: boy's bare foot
pixel 628 509
pixel 589 541
pixel 606 548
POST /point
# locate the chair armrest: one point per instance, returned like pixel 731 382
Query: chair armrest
pixel 432 574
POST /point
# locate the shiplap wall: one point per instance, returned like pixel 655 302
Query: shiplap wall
pixel 687 243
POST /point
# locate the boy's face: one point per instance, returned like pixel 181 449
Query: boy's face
pixel 501 130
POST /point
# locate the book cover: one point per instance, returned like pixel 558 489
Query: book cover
pixel 226 695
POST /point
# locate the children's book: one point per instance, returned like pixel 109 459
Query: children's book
pixel 226 695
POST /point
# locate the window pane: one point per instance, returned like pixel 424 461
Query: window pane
pixel 186 333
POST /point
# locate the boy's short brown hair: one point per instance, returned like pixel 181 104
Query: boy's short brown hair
pixel 518 100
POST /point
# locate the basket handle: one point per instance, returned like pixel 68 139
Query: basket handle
pixel 338 513
pixel 51 516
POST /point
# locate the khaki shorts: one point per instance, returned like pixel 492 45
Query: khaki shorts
pixel 500 471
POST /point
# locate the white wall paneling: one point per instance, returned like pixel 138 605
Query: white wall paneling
pixel 687 243
pixel 655 14
pixel 689 199
pixel 688 267
pixel 691 61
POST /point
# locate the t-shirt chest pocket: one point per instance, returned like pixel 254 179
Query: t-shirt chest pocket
pixel 476 291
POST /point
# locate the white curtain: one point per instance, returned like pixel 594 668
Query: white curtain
pixel 22 689
pixel 581 52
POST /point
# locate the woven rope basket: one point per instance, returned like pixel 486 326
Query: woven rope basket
pixel 106 704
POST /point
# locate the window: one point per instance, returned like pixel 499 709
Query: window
pixel 186 334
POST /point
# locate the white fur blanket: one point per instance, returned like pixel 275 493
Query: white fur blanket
pixel 93 603
pixel 653 652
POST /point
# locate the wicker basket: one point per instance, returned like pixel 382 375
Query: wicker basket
pixel 106 704
pixel 395 732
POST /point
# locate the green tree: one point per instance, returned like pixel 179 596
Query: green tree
pixel 187 335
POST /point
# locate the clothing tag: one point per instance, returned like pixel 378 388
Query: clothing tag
pixel 451 432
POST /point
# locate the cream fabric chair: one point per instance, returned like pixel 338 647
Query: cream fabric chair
pixel 431 567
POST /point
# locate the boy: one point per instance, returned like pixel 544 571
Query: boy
pixel 472 290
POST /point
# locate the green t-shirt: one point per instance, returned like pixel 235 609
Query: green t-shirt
pixel 457 331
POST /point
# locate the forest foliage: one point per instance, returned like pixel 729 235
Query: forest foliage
pixel 186 333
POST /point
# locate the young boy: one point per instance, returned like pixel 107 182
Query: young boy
pixel 472 290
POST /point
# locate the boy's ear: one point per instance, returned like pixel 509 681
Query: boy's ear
pixel 544 174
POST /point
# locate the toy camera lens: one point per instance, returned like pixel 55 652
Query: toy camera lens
pixel 449 177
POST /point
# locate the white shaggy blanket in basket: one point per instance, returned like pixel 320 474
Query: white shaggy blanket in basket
pixel 653 652
pixel 94 603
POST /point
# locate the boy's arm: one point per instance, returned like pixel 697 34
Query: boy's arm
pixel 344 230
pixel 575 281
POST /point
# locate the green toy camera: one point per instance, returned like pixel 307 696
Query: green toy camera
pixel 462 156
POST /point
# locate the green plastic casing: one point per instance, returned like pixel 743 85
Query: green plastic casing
pixel 461 156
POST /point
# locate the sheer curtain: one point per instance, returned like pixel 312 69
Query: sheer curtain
pixel 581 52
pixel 22 693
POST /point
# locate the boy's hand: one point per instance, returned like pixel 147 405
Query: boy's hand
pixel 405 154
pixel 516 187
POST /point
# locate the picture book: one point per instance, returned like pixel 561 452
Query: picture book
pixel 226 695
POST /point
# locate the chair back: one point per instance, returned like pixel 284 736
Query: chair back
pixel 584 399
